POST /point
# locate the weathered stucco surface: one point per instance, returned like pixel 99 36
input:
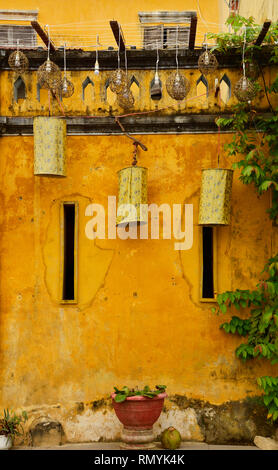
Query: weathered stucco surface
pixel 138 319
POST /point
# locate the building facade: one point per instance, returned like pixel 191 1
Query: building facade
pixel 139 313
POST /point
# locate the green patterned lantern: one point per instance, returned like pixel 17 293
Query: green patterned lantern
pixel 50 146
pixel 215 197
pixel 132 193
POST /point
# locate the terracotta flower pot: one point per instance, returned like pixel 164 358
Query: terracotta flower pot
pixel 138 414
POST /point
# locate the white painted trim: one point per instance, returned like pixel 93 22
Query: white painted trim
pixel 19 15
pixel 166 16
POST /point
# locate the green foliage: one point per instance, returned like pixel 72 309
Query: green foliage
pixel 11 423
pixel 270 387
pixel 262 324
pixel 234 38
pixel 125 392
pixel 258 165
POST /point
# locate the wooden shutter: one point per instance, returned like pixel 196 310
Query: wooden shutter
pixel 153 36
pixel 171 37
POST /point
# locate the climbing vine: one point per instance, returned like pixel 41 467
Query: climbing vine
pixel 255 142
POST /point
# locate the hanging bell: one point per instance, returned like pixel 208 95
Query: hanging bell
pixel 18 61
pixel 132 194
pixel 156 88
pixel 207 63
pixel 49 146
pixel 49 75
pixel 177 86
pixel 215 197
pixel 67 88
pixel 245 90
pixel 118 81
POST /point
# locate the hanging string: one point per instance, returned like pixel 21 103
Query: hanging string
pixel 243 51
pixel 65 64
pixel 157 58
pixel 125 62
pixel 48 45
pixel 177 61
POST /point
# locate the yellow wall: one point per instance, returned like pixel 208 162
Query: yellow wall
pixel 138 319
pixel 97 12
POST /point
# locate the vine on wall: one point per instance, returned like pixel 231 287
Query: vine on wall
pixel 258 165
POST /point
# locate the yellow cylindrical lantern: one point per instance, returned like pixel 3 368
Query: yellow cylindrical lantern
pixel 132 193
pixel 215 197
pixel 49 146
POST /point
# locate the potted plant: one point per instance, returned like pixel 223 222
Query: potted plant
pixel 10 426
pixel 138 410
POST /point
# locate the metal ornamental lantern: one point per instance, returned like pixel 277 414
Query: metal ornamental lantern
pixel 132 190
pixel 215 197
pixel 49 146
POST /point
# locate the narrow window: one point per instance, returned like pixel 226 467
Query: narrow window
pixel 208 271
pixel 69 251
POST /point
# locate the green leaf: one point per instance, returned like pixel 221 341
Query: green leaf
pixel 119 398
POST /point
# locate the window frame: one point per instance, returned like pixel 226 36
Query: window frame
pixel 62 252
pixel 215 277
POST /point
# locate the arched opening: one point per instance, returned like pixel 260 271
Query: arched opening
pixel 110 97
pixel 202 89
pixel 134 88
pixel 225 89
pixel 19 89
pixel 85 84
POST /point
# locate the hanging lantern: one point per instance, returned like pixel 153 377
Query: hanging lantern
pixel 67 87
pixel 126 98
pixel 49 75
pixel 18 61
pixel 118 81
pixel 177 86
pixel 132 191
pixel 245 90
pixel 96 68
pixel 156 88
pixel 207 63
pixel 215 197
pixel 49 146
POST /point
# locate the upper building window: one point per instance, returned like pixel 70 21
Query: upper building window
pixel 10 34
pixel 166 29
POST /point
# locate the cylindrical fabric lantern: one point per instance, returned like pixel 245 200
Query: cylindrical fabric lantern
pixel 50 146
pixel 132 193
pixel 215 197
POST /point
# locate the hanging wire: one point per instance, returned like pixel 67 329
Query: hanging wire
pixel 96 70
pixel 177 61
pixel 65 64
pixel 243 50
pixel 48 45
pixel 156 77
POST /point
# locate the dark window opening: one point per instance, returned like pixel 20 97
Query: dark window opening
pixel 19 89
pixel 69 244
pixel 207 281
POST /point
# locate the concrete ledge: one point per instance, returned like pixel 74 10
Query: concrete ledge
pixel 116 446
